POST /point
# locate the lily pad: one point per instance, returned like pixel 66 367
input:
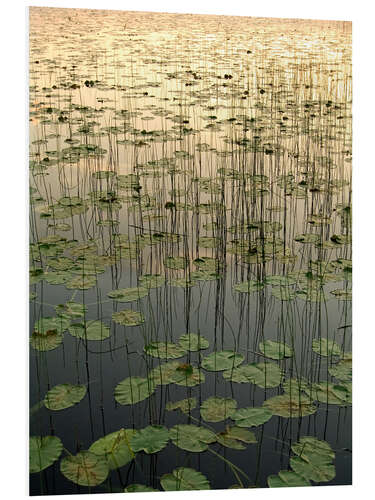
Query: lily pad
pixel 216 409
pixel 91 330
pixel 317 472
pixel 191 437
pixel 128 294
pixel 342 370
pixel 313 450
pixel 151 280
pixel 64 396
pixel 265 375
pixel 115 448
pixel 166 350
pixel 138 488
pixel 290 406
pixel 43 452
pixel 128 317
pixel 275 350
pixel 85 468
pixel 287 478
pixel 133 390
pixel 325 347
pixel 151 439
pixel 71 310
pixel 184 479
pixel 222 360
pixel 251 417
pixel 233 437
pixel 193 342
pixel 248 286
pixel 185 405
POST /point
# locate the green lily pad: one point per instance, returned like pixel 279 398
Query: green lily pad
pixel 216 409
pixel 138 488
pixel 151 439
pixel 222 360
pixel 191 437
pixel 279 280
pixel 287 478
pixel 81 282
pixel 290 406
pixel 248 286
pixel 265 375
pixel 334 394
pixel 233 437
pixel 85 468
pixel 181 282
pixel 71 310
pixel 184 479
pixel 133 390
pixel 342 294
pixel 165 373
pixel 166 350
pixel 188 375
pixel 275 350
pixel 325 347
pixel 46 342
pixel 193 342
pixel 128 294
pixel 43 452
pixel 151 280
pixel 64 396
pixel 176 262
pixel 251 417
pixel 128 317
pixel 185 405
pixel 342 370
pixel 91 330
pixel 115 448
pixel 313 450
pixel 319 473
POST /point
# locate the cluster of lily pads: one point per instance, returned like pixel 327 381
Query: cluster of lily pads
pixel 177 163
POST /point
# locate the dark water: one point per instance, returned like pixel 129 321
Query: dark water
pixel 271 101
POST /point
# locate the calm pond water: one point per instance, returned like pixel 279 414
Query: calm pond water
pixel 190 253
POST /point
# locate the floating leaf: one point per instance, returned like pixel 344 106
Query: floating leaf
pixel 85 468
pixel 248 286
pixel 128 294
pixel 176 262
pixel 233 437
pixel 251 417
pixel 342 370
pixel 222 360
pixel 185 405
pixel 287 478
pixel 138 488
pixel 71 310
pixel 325 347
pixel 216 409
pixel 115 448
pixel 184 478
pixel 313 450
pixel 193 342
pixel 265 375
pixel 128 317
pixel 151 439
pixel 151 280
pixel 133 390
pixel 328 393
pixel 275 350
pixel 317 472
pixel 64 396
pixel 166 350
pixel 290 406
pixel 91 330
pixel 43 452
pixel 191 437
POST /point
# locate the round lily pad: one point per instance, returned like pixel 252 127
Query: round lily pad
pixel 248 286
pixel 128 294
pixel 85 468
pixel 184 479
pixel 234 437
pixel 185 405
pixel 133 390
pixel 290 406
pixel 317 472
pixel 91 330
pixel 128 317
pixel 287 478
pixel 43 452
pixel 251 417
pixel 325 347
pixel 64 396
pixel 216 409
pixel 222 360
pixel 275 350
pixel 151 439
pixel 166 350
pixel 265 375
pixel 191 437
pixel 151 280
pixel 115 448
pixel 193 342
